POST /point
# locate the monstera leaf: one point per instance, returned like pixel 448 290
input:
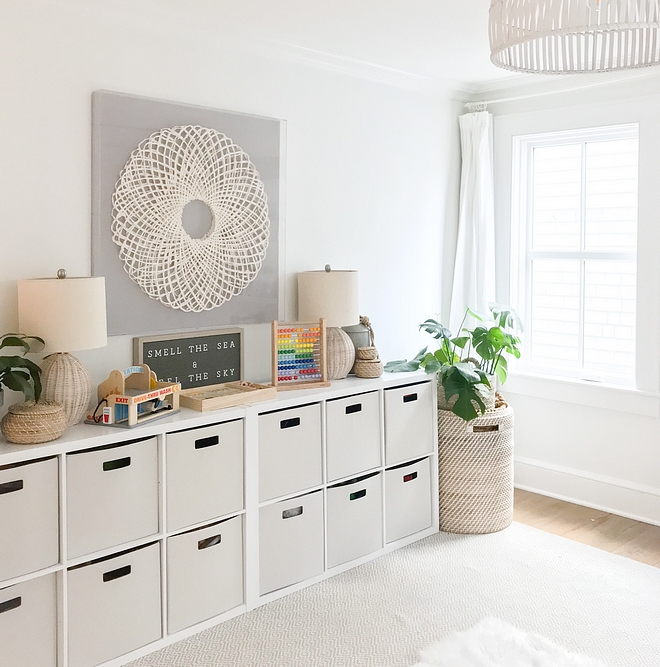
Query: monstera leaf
pixel 405 366
pixel 468 383
pixel 18 373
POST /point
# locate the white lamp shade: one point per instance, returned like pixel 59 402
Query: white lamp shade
pixel 68 313
pixel 332 295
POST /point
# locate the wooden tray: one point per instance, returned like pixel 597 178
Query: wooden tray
pixel 225 395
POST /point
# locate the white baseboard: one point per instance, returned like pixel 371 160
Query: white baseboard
pixel 608 494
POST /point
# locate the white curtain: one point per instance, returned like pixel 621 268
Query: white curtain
pixel 474 270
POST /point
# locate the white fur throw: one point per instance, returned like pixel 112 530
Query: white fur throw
pixel 494 643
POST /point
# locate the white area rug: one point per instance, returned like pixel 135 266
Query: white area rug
pixel 384 613
pixel 494 643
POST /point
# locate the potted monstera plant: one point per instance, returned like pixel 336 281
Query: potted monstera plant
pixel 16 372
pixel 468 363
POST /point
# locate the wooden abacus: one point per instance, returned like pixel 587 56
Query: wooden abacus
pixel 299 355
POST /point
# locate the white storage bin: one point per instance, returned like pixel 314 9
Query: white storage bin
pixel 290 458
pixel 409 422
pixel 408 499
pixel 355 518
pixel 204 473
pixel 28 623
pixel 352 435
pixel 290 541
pixel 204 573
pixel 112 495
pixel 114 606
pixel 29 518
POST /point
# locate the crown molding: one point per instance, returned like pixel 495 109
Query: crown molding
pixel 642 81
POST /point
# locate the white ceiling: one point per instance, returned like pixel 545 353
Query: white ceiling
pixel 445 40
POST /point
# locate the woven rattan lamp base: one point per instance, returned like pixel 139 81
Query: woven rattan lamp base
pixel 475 471
pixel 65 380
pixel 341 353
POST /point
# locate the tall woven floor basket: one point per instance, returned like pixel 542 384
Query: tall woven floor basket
pixel 475 469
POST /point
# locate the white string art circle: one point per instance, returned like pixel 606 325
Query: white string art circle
pixel 169 169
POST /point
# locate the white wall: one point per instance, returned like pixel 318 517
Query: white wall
pixel 596 445
pixel 372 168
pixel 372 182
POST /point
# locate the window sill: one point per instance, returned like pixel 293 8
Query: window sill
pixel 581 392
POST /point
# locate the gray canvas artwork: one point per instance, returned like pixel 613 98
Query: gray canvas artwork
pixel 120 124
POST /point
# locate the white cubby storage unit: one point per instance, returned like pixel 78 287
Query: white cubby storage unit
pixel 116 543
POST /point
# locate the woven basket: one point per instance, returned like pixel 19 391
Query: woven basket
pixel 31 424
pixel 367 353
pixel 475 472
pixel 368 368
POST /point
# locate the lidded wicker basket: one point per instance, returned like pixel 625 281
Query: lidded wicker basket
pixel 33 423
pixel 475 471
pixel 367 364
pixel 368 368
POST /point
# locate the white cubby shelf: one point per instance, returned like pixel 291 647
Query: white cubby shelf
pixel 117 543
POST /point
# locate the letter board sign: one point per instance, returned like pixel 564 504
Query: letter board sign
pixel 193 359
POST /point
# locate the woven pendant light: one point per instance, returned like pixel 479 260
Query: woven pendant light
pixel 571 36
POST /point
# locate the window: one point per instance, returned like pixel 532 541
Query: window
pixel 574 251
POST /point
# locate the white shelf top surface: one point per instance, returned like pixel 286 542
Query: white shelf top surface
pixel 85 436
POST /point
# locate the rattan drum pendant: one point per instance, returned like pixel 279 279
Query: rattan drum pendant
pixel 168 170
pixel 570 36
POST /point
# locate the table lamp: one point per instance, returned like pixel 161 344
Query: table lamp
pixel 69 314
pixel 332 295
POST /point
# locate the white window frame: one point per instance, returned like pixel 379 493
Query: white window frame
pixel 522 253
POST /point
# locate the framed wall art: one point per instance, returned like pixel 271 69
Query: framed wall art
pixel 187 214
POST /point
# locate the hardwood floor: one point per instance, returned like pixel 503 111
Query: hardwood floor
pixel 616 534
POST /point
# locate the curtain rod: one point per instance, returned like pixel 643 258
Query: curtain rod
pixel 482 106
